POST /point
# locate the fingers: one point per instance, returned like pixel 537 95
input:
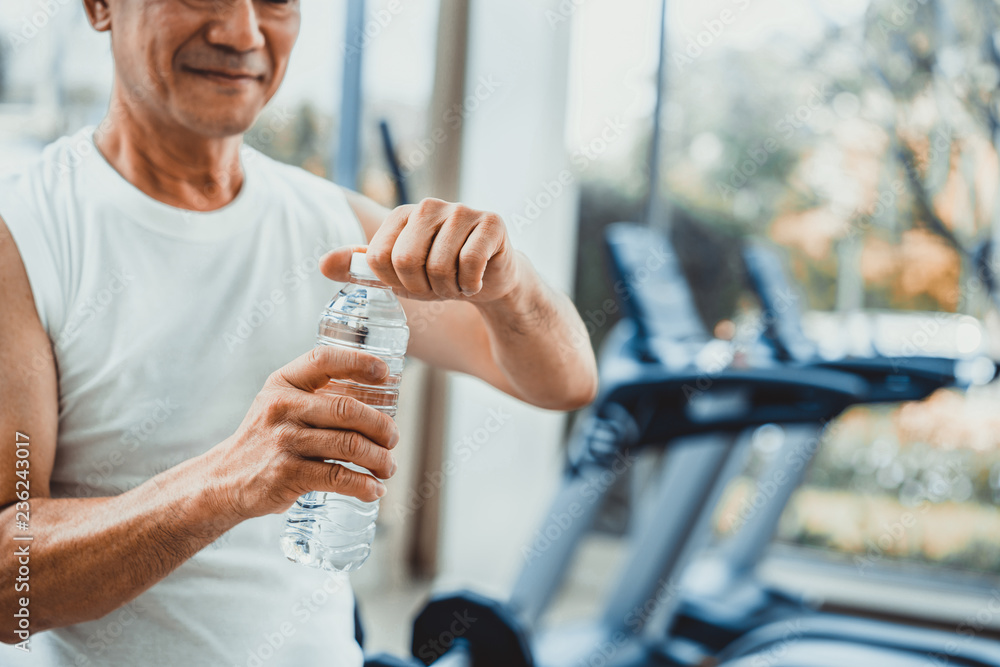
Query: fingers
pixel 318 366
pixel 443 258
pixel 409 253
pixel 435 250
pixel 326 411
pixel 336 264
pixel 319 476
pixel 322 444
pixel 478 249
pixel 380 248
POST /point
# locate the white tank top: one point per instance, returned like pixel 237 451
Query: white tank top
pixel 165 325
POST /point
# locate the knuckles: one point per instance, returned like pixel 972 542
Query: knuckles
pixel 440 269
pixel 321 356
pixel 274 407
pixel 429 206
pixel 472 256
pixel 357 449
pixel 492 222
pixel 342 408
pixel 276 485
pixel 338 476
pixel 378 258
pixel 285 435
pixel 353 446
pixel 430 211
pixel 406 259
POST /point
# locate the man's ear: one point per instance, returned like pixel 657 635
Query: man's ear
pixel 99 14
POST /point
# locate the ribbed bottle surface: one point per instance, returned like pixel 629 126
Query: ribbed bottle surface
pixel 330 530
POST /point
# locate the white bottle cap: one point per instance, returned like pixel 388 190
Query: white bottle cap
pixel 359 266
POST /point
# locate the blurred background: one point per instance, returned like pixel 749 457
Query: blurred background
pixel 861 138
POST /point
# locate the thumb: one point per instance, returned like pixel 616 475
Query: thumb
pixel 336 264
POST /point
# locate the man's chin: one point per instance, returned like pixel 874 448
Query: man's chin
pixel 218 125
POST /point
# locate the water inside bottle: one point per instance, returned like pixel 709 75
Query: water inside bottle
pixel 330 530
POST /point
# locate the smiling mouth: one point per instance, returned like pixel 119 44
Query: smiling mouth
pixel 225 77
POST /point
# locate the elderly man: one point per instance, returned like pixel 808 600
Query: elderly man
pixel 160 288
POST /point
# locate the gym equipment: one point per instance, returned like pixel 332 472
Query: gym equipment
pixel 720 599
pixel 693 409
pixel 723 599
pixel 665 383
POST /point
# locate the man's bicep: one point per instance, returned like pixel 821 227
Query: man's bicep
pixel 452 335
pixel 29 395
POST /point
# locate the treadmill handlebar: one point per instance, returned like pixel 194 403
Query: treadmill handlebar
pixel 889 376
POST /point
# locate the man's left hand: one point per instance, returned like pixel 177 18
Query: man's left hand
pixel 436 250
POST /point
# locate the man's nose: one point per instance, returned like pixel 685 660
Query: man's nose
pixel 235 26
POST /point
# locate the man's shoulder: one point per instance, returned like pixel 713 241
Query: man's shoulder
pixel 305 197
pixel 51 169
pixel 300 182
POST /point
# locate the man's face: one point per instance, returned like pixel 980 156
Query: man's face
pixel 207 65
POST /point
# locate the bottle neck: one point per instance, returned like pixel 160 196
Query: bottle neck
pixel 367 282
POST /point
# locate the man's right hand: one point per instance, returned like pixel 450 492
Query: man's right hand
pixel 100 553
pixel 277 453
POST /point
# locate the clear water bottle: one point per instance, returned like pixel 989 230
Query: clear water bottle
pixel 330 530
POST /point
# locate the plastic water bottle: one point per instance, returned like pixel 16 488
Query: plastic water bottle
pixel 330 530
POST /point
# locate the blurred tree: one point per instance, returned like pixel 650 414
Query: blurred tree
pixel 840 148
pixel 869 150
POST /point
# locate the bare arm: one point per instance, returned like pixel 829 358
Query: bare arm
pixel 90 556
pixel 516 333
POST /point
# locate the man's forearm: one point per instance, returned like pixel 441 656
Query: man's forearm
pixel 90 556
pixel 541 344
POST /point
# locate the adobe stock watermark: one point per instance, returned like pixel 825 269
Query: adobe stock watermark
pixel 863 219
pixel 552 189
pixel 972 626
pixel 712 30
pixel 116 624
pixel 750 328
pixel 86 311
pixel 451 120
pixel 604 651
pixel 82 146
pixel 563 12
pixel 264 134
pixel 433 649
pixel 759 155
pixel 595 319
pixel 266 306
pixel 747 329
pixel 138 433
pixel 464 450
pixel 377 21
pixel 902 13
pixel 796 461
pixel 89 309
pixel 94 305
pixel 557 523
pixel 894 533
pixel 916 342
pixel 892 536
pixel 302 610
pixel 30 26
